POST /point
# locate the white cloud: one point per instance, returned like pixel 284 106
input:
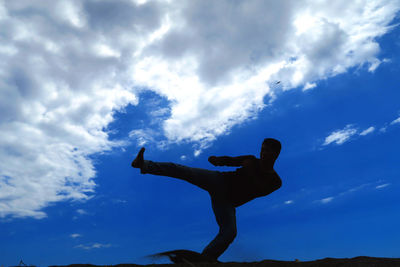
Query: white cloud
pixel 396 121
pixel 374 64
pixel 75 235
pixel 57 96
pixel 93 246
pixel 81 211
pixel 120 201
pixel 367 131
pixel 289 202
pixel 382 186
pixel 67 66
pixel 159 112
pixel 216 61
pixel 354 189
pixel 197 153
pixel 326 200
pixel 340 136
pixel 309 86
pixel 383 129
pixel 143 136
pixel 350 191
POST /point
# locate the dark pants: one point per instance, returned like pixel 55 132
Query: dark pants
pixel 215 184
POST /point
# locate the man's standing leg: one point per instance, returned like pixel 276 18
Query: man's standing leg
pixel 225 214
pixel 215 184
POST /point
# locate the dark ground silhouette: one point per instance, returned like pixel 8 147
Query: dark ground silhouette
pixel 327 262
pixel 182 256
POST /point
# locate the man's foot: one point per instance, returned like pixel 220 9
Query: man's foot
pixel 138 161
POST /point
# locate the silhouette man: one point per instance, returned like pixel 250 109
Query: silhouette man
pixel 256 177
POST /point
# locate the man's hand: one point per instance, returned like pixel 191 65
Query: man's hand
pixel 216 161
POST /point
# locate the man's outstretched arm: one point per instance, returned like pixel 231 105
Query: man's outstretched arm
pixel 230 161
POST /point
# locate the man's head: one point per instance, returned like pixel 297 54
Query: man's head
pixel 270 149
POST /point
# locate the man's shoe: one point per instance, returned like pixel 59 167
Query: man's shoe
pixel 138 161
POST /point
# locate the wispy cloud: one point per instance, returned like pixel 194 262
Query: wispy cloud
pixel 93 246
pixel 326 200
pixel 75 235
pixel 81 211
pixel 382 186
pixel 309 86
pixel 367 131
pixel 143 136
pixel 197 152
pixel 350 132
pixel 120 201
pixel 340 136
pixel 288 202
pixel 396 121
pixel 160 112
pixel 384 128
pixel 352 190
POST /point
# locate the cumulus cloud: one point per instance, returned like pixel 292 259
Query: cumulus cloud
pixel 228 66
pixel 61 81
pixel 66 67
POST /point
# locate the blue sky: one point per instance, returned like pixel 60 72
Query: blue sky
pixel 84 87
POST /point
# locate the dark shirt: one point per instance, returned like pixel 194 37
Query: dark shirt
pixel 250 181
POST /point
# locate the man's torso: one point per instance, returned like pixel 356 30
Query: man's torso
pixel 250 181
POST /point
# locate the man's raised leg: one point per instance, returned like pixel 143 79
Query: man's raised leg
pixel 205 179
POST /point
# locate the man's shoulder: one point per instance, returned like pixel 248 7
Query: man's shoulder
pixel 250 158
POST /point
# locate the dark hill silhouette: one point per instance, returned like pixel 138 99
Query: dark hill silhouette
pixel 361 261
